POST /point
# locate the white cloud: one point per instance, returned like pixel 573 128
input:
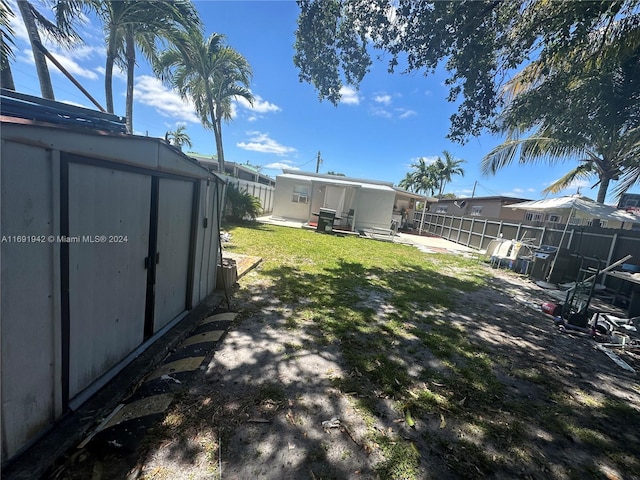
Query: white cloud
pixel 259 105
pixel 117 72
pixel 406 113
pixel 260 142
pixel 74 68
pixel 427 160
pixel 280 166
pixel 150 91
pixel 381 112
pixel 383 98
pixel 349 96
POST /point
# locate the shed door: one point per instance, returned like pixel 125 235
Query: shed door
pixel 107 279
pixel 175 205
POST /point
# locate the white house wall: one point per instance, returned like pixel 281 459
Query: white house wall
pixel 282 204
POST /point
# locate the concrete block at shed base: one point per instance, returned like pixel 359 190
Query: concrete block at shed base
pixel 227 273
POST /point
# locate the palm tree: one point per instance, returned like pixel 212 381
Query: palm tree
pixel 35 22
pixel 129 24
pixel 424 177
pixel 582 107
pixel 178 138
pixel 408 182
pixel 210 74
pixel 6 41
pixel 445 169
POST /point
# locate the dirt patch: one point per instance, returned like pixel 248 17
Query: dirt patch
pixel 274 401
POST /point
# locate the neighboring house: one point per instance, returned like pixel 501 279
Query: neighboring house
pixel 242 171
pixel 499 208
pixel 108 240
pixel 630 202
pixel 245 177
pixel 495 208
pixel 359 204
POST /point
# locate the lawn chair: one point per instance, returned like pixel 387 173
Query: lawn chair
pixel 502 253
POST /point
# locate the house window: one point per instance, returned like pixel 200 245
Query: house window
pixel 553 218
pixel 300 194
pixel 602 223
pixel 533 217
pixel 476 210
pixel 441 209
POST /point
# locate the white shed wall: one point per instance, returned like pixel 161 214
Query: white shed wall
pixel 107 280
pixel 30 357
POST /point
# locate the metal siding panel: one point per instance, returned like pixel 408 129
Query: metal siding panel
pixel 174 235
pixel 28 353
pixel 107 281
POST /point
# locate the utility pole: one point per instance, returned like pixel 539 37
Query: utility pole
pixel 474 189
pixel 318 162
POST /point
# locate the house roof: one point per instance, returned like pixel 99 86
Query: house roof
pixel 337 180
pixel 484 199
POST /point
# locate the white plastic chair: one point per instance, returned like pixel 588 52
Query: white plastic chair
pixel 501 254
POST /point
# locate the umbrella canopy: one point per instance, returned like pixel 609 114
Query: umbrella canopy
pixel 578 206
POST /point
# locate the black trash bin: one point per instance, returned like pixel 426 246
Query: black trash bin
pixel 325 220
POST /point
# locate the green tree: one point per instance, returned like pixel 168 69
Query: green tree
pixel 6 42
pixel 178 138
pixel 424 177
pixel 35 23
pixel 210 74
pixel 131 24
pixel 445 168
pixel 580 108
pixel 408 182
pixel 480 43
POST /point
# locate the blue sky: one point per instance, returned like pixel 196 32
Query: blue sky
pixel 376 132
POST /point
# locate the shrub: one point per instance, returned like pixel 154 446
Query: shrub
pixel 241 205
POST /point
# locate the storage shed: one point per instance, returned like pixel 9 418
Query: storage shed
pixel 108 240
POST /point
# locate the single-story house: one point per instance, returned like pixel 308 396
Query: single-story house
pixel 358 204
pixel 494 207
pixel 108 241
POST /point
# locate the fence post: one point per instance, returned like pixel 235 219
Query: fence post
pixel 613 246
pixel 470 231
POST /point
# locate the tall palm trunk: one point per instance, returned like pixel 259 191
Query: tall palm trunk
pixel 108 74
pixel 46 88
pixel 602 189
pixel 217 131
pixel 131 64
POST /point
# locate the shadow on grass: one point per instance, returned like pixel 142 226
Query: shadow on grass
pixel 490 388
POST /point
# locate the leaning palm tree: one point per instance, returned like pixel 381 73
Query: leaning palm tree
pixel 35 23
pixel 131 24
pixel 210 74
pixel 580 108
pixel 178 138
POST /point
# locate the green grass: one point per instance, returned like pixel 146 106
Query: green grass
pixel 389 309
